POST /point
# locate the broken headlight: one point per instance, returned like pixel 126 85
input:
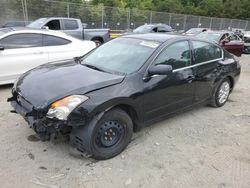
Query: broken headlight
pixel 62 108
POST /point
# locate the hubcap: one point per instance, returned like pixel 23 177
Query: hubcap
pixel 224 92
pixel 109 134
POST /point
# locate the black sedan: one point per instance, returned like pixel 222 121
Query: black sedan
pixel 120 87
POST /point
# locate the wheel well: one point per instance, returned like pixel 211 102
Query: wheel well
pixel 98 38
pixel 131 112
pixel 231 82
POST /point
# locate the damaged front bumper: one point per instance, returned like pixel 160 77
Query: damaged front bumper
pixel 46 128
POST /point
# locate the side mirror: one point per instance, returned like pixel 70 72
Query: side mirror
pixel 225 41
pixel 45 27
pixel 160 70
pixel 84 25
pixel 1 48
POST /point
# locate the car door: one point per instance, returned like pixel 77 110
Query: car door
pixel 59 48
pixel 71 27
pixel 206 57
pixel 233 44
pixel 20 53
pixel 164 94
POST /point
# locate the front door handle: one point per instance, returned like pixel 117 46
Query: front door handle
pixel 189 79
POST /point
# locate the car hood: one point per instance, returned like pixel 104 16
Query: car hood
pixel 47 83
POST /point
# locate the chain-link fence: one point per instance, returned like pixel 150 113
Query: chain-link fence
pixel 108 17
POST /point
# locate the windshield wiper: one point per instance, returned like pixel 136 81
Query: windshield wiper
pixel 94 67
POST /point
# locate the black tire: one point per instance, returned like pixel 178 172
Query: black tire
pixel 97 42
pixel 216 100
pixel 92 135
pixel 246 50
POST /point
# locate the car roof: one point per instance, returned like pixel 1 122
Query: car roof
pixel 219 32
pixel 154 37
pixel 59 18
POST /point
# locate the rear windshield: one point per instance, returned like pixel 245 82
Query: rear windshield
pixel 121 55
pixel 143 29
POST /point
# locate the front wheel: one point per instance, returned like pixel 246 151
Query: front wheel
pixel 106 137
pixel 246 50
pixel 221 93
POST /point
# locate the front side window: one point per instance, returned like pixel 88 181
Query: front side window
pixel 121 55
pixel 26 40
pixel 177 55
pixel 204 52
pixel 54 25
pixel 49 40
pixel 70 24
pixel 233 37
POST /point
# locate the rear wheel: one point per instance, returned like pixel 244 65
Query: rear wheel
pixel 221 93
pixel 97 42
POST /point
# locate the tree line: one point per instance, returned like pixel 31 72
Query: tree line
pixel 236 9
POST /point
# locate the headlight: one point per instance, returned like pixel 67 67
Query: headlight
pixel 62 108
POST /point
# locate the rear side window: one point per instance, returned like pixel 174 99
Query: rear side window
pixel 49 40
pixel 177 55
pixel 26 40
pixel 70 24
pixel 204 52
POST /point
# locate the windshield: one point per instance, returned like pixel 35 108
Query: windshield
pixel 143 29
pixel 194 30
pixel 4 31
pixel 121 55
pixel 37 23
pixel 212 37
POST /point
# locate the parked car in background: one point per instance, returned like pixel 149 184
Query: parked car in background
pixel 153 28
pixel 22 49
pixel 14 24
pixel 73 27
pixel 195 31
pixel 246 39
pixel 228 40
pixel 122 86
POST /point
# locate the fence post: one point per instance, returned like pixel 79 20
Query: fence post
pixel 185 21
pixel 102 17
pixel 24 16
pixel 170 17
pixel 25 11
pixel 128 17
pixel 246 25
pixel 211 22
pixel 151 16
pixel 68 10
pixel 199 21
pixel 221 22
pixel 231 21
